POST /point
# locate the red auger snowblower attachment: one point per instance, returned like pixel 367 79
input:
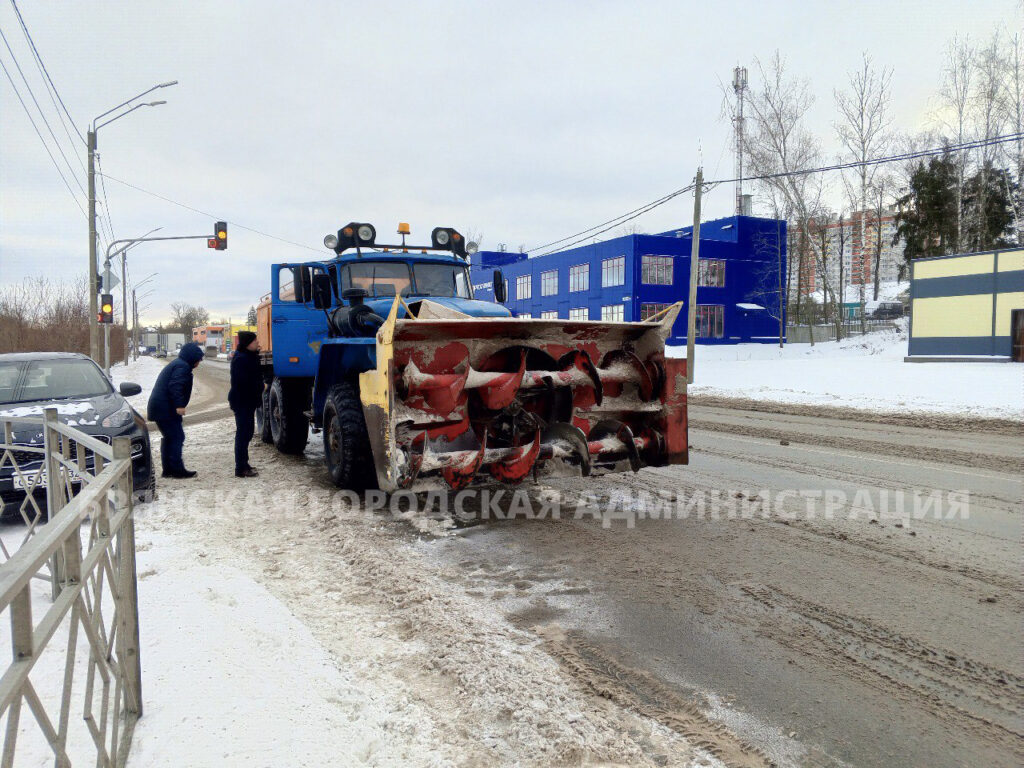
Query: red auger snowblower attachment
pixel 457 400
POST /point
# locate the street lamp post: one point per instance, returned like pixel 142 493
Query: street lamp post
pixel 135 314
pixel 94 339
pixel 125 245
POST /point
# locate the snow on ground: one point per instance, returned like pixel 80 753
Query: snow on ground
pixel 142 372
pixel 281 626
pixel 866 372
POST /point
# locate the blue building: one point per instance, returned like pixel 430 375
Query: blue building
pixel 741 269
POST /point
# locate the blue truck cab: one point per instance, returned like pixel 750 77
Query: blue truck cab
pixel 318 324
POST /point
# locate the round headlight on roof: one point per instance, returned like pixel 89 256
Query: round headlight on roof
pixel 442 237
pixel 331 241
pixel 472 247
pixel 366 233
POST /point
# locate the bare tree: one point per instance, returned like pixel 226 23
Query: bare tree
pixel 780 143
pixel 185 317
pixel 1011 112
pixel 955 95
pixel 864 132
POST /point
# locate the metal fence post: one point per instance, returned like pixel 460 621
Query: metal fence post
pixel 128 586
pixel 54 492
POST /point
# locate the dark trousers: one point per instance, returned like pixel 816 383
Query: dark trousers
pixel 245 419
pixel 171 445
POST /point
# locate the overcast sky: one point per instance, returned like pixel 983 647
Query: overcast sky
pixel 524 121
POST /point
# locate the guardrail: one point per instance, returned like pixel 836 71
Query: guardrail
pixel 93 591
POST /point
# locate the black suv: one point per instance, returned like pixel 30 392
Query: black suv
pixel 84 398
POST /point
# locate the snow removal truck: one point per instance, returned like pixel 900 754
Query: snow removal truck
pixel 416 385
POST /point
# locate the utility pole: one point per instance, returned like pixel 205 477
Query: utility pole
pixel 691 319
pixel 135 326
pixel 124 302
pixel 94 325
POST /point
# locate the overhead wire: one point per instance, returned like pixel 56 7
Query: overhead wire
pixel 636 212
pixel 51 89
pixel 53 160
pixel 42 115
pixel 46 72
pixel 212 216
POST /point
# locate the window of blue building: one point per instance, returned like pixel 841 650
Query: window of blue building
pixel 579 313
pixel 711 273
pixel 549 314
pixel 579 277
pixel 523 287
pixel 613 271
pixel 656 270
pixel 649 309
pixel 710 321
pixel 612 313
pixel 549 282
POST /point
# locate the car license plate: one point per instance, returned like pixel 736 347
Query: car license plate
pixel 23 481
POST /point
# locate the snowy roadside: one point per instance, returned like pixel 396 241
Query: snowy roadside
pixel 142 372
pixel 282 627
pixel 862 372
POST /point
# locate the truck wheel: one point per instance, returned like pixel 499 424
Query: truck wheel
pixel 262 422
pixel 346 443
pixel 289 427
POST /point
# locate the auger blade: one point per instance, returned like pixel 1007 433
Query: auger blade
pixel 518 464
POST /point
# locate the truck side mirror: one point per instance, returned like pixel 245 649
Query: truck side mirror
pixel 499 287
pixel 322 295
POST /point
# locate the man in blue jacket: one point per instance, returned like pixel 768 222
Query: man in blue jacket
pixel 171 393
pixel 245 396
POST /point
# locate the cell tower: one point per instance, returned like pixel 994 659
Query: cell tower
pixel 739 87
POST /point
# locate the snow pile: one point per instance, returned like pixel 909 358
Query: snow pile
pixel 142 372
pixel 866 372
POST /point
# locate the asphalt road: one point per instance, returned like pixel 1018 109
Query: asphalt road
pixel 855 638
pixel 864 634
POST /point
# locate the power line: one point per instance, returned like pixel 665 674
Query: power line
pixel 620 220
pixel 637 212
pixel 106 204
pixel 46 73
pixel 42 115
pixel 212 216
pixel 41 139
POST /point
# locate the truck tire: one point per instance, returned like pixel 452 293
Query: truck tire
pixel 262 420
pixel 347 450
pixel 289 427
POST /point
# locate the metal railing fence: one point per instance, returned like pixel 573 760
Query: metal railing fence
pixel 83 543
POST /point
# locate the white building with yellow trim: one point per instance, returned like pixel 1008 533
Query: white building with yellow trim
pixel 963 305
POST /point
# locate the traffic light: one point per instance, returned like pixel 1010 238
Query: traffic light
pixel 220 236
pixel 106 313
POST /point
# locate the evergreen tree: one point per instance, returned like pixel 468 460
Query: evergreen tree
pixel 251 317
pixel 926 218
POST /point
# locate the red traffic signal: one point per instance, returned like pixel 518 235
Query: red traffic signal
pixel 106 313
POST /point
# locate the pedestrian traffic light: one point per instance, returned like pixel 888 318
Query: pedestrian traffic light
pixel 106 313
pixel 220 236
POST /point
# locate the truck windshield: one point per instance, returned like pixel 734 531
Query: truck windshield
pixel 441 280
pixel 50 380
pixel 377 278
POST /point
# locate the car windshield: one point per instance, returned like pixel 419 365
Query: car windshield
pixel 441 280
pixel 377 278
pixel 28 380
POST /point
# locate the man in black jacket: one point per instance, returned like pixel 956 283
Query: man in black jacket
pixel 171 393
pixel 245 396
